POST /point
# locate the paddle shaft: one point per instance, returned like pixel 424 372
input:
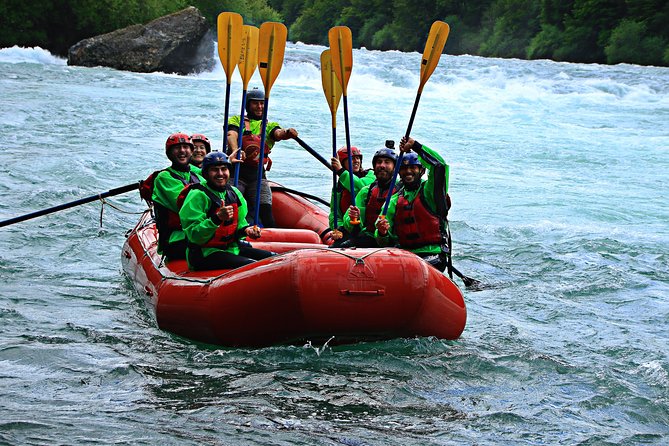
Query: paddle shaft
pixel 335 203
pixel 225 120
pixel 468 281
pixel 242 126
pixel 401 155
pixel 348 147
pixel 261 159
pixel 313 152
pixel 109 193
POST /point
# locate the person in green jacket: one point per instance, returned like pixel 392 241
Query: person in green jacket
pixel 417 215
pixel 248 171
pixel 213 216
pixel 342 194
pixel 167 185
pixel 360 219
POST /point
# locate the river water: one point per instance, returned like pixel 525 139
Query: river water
pixel 559 187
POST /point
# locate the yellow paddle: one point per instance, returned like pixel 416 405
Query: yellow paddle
pixel 333 92
pixel 341 54
pixel 248 60
pixel 433 48
pixel 331 86
pixel 271 48
pixel 230 26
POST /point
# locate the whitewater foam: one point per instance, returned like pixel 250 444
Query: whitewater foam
pixel 17 54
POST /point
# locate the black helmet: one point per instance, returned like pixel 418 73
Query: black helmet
pixel 256 94
pixel 215 159
pixel 384 153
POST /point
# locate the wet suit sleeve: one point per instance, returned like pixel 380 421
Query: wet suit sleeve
pixel 233 123
pixel 358 182
pixel 199 227
pixel 242 212
pixel 166 189
pixel 334 207
pixel 360 203
pixel 331 216
pixel 436 187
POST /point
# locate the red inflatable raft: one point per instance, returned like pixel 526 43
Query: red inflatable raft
pixel 307 293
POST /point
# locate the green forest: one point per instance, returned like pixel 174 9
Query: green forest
pixel 589 31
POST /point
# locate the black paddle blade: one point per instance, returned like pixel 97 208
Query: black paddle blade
pixel 472 284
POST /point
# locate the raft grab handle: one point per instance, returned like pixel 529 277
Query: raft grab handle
pixel 362 292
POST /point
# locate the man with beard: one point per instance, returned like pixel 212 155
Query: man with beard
pixel 361 178
pixel 248 171
pixel 417 216
pixel 369 201
pixel 213 216
pixel 164 189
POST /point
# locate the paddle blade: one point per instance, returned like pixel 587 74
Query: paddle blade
pixel 271 47
pixel 248 59
pixel 230 25
pixel 341 52
pixel 331 86
pixel 433 48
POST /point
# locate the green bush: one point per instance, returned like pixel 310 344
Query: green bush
pixel 544 44
pixel 629 43
pixel 511 25
pixel 383 39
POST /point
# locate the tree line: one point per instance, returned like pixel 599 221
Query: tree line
pixel 599 31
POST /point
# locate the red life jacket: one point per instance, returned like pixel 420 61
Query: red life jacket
pixel 225 232
pixel 146 186
pixel 251 147
pixel 415 224
pixel 376 198
pixel 167 221
pixel 345 200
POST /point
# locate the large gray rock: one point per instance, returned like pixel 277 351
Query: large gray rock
pixel 177 43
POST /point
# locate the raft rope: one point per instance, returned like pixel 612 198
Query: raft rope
pixel 159 267
pixel 113 206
